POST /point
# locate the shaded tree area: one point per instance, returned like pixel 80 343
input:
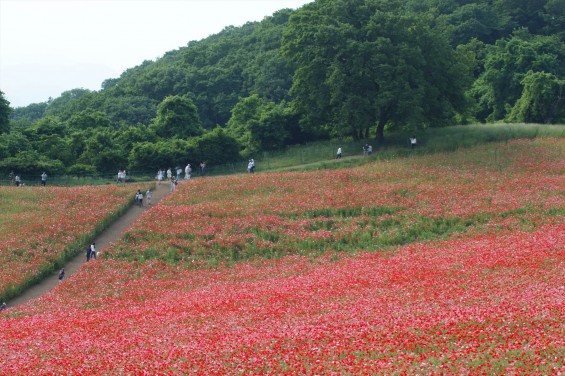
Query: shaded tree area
pixel 331 69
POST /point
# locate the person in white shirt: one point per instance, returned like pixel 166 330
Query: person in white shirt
pixel 338 155
pixel 187 171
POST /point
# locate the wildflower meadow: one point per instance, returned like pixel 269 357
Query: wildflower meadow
pixel 43 226
pixel 448 263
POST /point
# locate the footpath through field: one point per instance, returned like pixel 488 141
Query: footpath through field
pixel 108 236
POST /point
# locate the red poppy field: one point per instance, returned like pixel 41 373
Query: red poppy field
pixel 440 264
pixel 43 225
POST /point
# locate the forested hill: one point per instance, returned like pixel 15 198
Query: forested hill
pixel 333 68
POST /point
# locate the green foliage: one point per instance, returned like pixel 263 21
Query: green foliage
pixel 177 116
pixel 542 100
pixel 362 64
pixel 5 111
pixel 215 147
pixel 508 63
pixel 343 69
pixel 260 125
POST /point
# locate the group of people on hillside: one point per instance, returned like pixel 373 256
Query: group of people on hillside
pixel 368 149
pixel 16 180
pixel 121 176
pixel 91 253
pixel 139 197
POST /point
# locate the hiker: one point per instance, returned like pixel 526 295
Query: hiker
pixel 3 306
pixel 43 179
pixel 187 171
pixel 338 155
pixel 93 253
pixel 88 253
pixel 139 197
pixel 61 274
pixel 18 180
pixel 251 166
pixel 412 142
pixel 149 195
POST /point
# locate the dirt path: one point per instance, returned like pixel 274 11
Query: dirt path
pixel 110 235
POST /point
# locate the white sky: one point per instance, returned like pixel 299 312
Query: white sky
pixel 48 47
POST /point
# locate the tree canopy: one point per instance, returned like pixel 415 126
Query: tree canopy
pixel 332 68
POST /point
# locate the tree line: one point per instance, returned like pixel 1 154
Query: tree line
pixel 332 69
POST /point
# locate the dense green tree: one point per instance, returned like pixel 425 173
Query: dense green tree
pixel 12 143
pixel 100 151
pixel 177 116
pixel 508 62
pixel 162 154
pixel 5 111
pixel 214 147
pixel 259 125
pixel 89 119
pixel 363 64
pixel 542 100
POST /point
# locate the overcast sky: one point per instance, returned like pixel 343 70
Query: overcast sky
pixel 48 47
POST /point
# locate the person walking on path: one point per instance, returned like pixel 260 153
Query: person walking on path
pixel 251 166
pixel 338 155
pixel 18 180
pixel 148 196
pixel 169 173
pixel 202 168
pixel 139 197
pixel 61 274
pixel 93 251
pixel 43 179
pixel 88 253
pixel 412 142
pixel 3 306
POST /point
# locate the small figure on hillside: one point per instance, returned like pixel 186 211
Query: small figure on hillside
pixel 93 253
pixel 187 172
pixel 3 306
pixel 18 180
pixel 251 166
pixel 149 196
pixel 412 142
pixel 202 168
pixel 43 179
pixel 88 253
pixel 338 155
pixel 61 274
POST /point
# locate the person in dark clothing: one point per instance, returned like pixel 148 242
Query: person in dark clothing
pixel 61 274
pixel 88 253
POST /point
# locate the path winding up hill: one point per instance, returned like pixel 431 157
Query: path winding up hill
pixel 110 235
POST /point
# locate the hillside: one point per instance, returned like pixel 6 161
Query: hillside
pixel 354 69
pixel 445 263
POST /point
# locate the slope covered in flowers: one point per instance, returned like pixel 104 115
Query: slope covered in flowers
pixel 41 226
pixel 451 263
